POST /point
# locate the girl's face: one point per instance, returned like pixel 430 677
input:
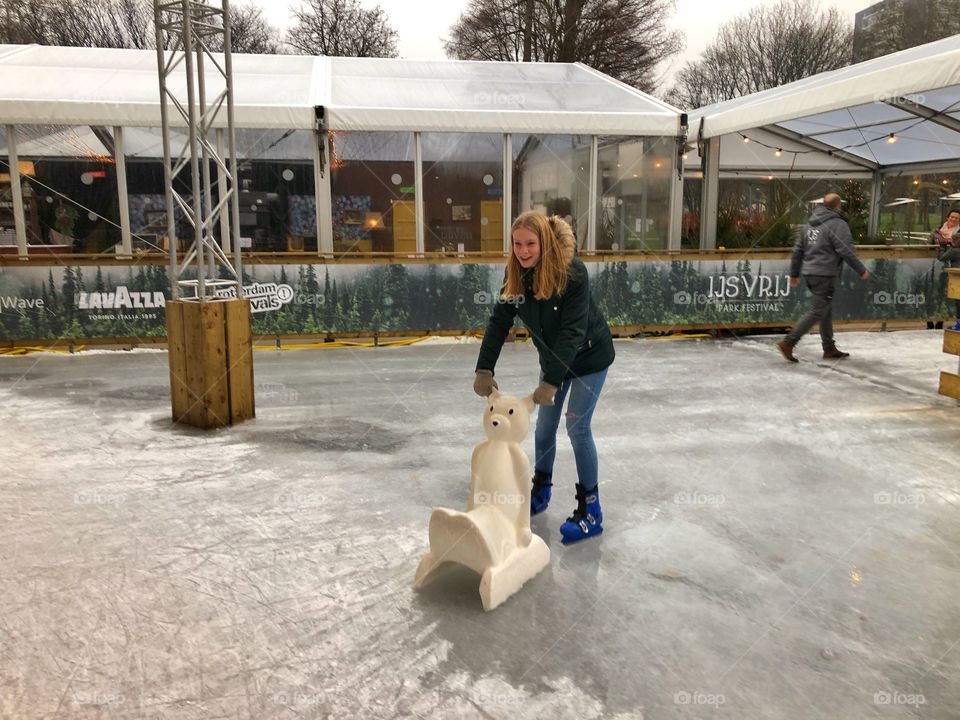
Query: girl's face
pixel 526 246
pixel 953 218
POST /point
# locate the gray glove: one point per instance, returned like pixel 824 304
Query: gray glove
pixel 484 384
pixel 544 393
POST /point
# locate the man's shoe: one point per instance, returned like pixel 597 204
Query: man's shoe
pixel 786 349
pixel 834 354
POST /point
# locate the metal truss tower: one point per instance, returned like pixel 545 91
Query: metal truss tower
pixel 187 31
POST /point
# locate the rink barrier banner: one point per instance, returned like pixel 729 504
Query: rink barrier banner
pixel 74 302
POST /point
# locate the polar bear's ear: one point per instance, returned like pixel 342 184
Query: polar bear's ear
pixel 528 403
pixel 494 394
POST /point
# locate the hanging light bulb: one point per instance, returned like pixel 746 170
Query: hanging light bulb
pixel 779 152
pixel 686 155
pixel 946 182
pixel 916 182
pixel 892 139
pixel 745 139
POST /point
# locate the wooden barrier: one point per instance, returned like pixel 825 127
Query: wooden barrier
pixel 950 385
pixel 953 283
pixel 950 382
pixel 211 362
pixel 951 342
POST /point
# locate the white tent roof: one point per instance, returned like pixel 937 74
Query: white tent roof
pixel 850 108
pixel 100 86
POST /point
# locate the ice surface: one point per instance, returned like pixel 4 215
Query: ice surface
pixel 781 541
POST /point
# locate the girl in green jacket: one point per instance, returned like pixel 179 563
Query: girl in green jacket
pixel 547 287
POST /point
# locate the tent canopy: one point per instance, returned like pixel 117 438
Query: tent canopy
pixel 913 95
pixel 102 86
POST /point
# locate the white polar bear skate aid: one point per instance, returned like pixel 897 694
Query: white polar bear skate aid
pixel 493 536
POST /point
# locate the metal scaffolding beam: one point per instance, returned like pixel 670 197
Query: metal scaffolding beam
pixel 187 32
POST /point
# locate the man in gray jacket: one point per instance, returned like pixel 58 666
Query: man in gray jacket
pixel 819 253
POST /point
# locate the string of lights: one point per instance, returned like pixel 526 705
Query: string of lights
pixel 890 138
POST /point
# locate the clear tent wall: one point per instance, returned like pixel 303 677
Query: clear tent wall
pixel 476 143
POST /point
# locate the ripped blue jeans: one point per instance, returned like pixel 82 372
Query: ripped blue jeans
pixel 584 392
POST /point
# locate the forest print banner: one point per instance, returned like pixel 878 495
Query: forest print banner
pixel 128 301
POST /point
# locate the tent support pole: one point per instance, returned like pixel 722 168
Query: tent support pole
pixel 418 193
pixel 507 189
pixel 710 195
pixel 19 220
pixel 594 196
pixel 119 156
pixel 876 189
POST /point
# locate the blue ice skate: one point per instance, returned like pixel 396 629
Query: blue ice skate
pixel 540 494
pixel 586 519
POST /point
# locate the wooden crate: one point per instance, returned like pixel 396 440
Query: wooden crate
pixel 211 362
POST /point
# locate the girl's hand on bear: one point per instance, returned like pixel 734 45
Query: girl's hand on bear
pixel 484 384
pixel 544 393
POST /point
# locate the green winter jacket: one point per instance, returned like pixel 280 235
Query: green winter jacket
pixel 569 331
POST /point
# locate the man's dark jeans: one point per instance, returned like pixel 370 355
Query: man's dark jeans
pixel 821 288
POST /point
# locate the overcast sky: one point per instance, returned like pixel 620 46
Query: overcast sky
pixel 422 24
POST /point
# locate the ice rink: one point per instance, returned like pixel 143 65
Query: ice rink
pixel 782 541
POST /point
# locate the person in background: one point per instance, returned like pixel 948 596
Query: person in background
pixel 947 240
pixel 546 285
pixel 824 244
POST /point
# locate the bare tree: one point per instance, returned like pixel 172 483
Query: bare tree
pixel 116 24
pixel 767 47
pixel 626 39
pixel 251 33
pixel 903 24
pixel 342 28
pixel 22 21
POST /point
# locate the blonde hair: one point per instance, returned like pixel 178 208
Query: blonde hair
pixel 557 247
